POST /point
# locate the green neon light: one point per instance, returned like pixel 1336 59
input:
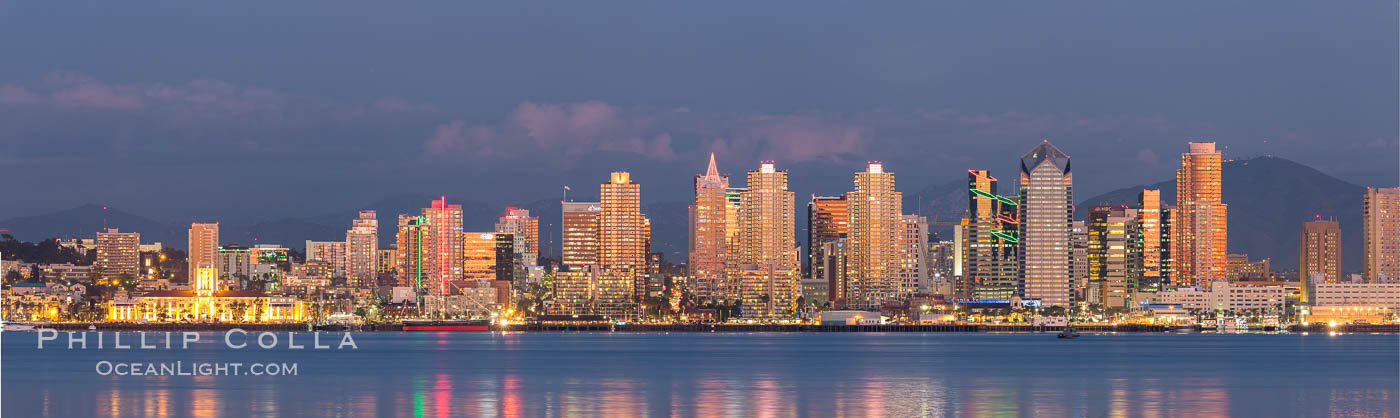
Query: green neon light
pixel 999 198
pixel 420 253
pixel 1007 236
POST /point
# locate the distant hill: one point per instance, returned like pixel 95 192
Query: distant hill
pixel 1269 198
pixel 87 220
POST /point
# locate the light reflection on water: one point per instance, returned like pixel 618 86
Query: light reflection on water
pixel 722 375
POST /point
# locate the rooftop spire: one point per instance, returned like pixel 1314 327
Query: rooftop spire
pixel 712 172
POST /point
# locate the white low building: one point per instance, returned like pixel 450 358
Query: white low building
pixel 1225 296
pixel 1357 294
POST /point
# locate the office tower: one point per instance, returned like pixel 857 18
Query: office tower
pixel 1380 231
pixel 332 252
pixel 444 241
pixel 769 265
pixel 1199 224
pixel 526 230
pixel 117 254
pixel 1046 212
pixel 1156 241
pixel 1079 270
pixel 835 270
pixel 991 240
pixel 362 250
pixel 478 256
pixel 942 261
pixel 505 258
pixel 580 239
pixel 1319 252
pixel 708 235
pixel 1238 267
pixel 913 256
pixel 962 287
pixel 874 208
pixel 1115 255
pixel 411 246
pixel 732 200
pixel 387 259
pixel 827 221
pixel 204 248
pixel 621 250
pixel 234 267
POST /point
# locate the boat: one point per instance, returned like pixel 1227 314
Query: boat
pixel 473 325
pixel 92 327
pixel 14 326
pixel 1069 332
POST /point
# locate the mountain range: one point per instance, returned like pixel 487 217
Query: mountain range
pixel 1268 198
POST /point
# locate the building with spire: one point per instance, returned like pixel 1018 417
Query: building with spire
pixel 1045 229
pixel 708 235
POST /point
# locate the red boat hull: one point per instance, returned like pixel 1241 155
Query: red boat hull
pixel 446 328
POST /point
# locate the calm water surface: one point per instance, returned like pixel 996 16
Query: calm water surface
pixel 756 374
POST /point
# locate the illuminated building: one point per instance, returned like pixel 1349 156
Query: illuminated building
pixel 117 254
pixel 208 301
pixel 573 291
pixel 873 252
pixel 1319 252
pixel 827 221
pixel 580 224
pixel 835 268
pixel 234 267
pixel 991 240
pixel 362 250
pixel 770 279
pixel 387 260
pixel 943 261
pixel 1079 270
pixel 1380 230
pixel 1226 296
pixel 203 248
pixel 329 251
pixel 708 226
pixel 913 256
pixel 526 231
pixel 1046 213
pixel 411 252
pixel 621 246
pixel 1238 268
pixel 1156 241
pixel 1199 224
pixel 487 256
pixel 443 246
pixel 1115 255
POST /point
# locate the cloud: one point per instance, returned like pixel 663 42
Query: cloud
pixel 1146 156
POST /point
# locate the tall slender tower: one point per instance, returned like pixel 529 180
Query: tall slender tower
pixel 1320 254
pixel 525 231
pixel 204 248
pixel 874 208
pixel 118 254
pixel 1047 215
pixel 445 239
pixel 768 259
pixel 1380 230
pixel 1156 242
pixel 580 225
pixel 827 222
pixel 1199 224
pixel 990 240
pixel 913 256
pixel 621 251
pixel 411 249
pixel 708 226
pixel 362 250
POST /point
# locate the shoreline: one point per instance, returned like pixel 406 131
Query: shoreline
pixel 603 327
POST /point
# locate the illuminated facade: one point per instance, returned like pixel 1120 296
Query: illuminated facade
pixel 1380 230
pixel 1199 223
pixel 770 279
pixel 117 254
pixel 332 252
pixel 1319 254
pixel 580 224
pixel 203 248
pixel 913 256
pixel 827 221
pixel 410 252
pixel 207 302
pixel 708 235
pixel 621 239
pixel 1046 214
pixel 443 245
pixel 1156 240
pixel 873 253
pixel 234 267
pixel 1115 255
pixel 362 250
pixel 990 240
pixel 526 232
pixel 388 260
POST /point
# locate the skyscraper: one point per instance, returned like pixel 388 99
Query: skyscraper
pixel 990 240
pixel 444 239
pixel 117 254
pixel 768 259
pixel 708 234
pixel 411 250
pixel 1115 255
pixel 580 240
pixel 913 256
pixel 362 250
pixel 526 232
pixel 1156 241
pixel 827 221
pixel 332 252
pixel 1046 214
pixel 1380 230
pixel 1199 224
pixel 1320 254
pixel 873 252
pixel 621 246
pixel 1079 270
pixel 204 248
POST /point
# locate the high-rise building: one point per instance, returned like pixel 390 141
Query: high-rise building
pixel 580 240
pixel 444 237
pixel 362 250
pixel 1046 214
pixel 204 248
pixel 235 266
pixel 478 256
pixel 942 262
pixel 1320 253
pixel 526 231
pixel 835 270
pixel 827 221
pixel 1156 241
pixel 1238 267
pixel 1380 231
pixel 991 230
pixel 1199 224
pixel 732 200
pixel 332 252
pixel 411 247
pixel 118 254
pixel 873 252
pixel 770 279
pixel 1079 270
pixel 1115 255
pixel 708 235
pixel 914 256
pixel 388 260
pixel 621 246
